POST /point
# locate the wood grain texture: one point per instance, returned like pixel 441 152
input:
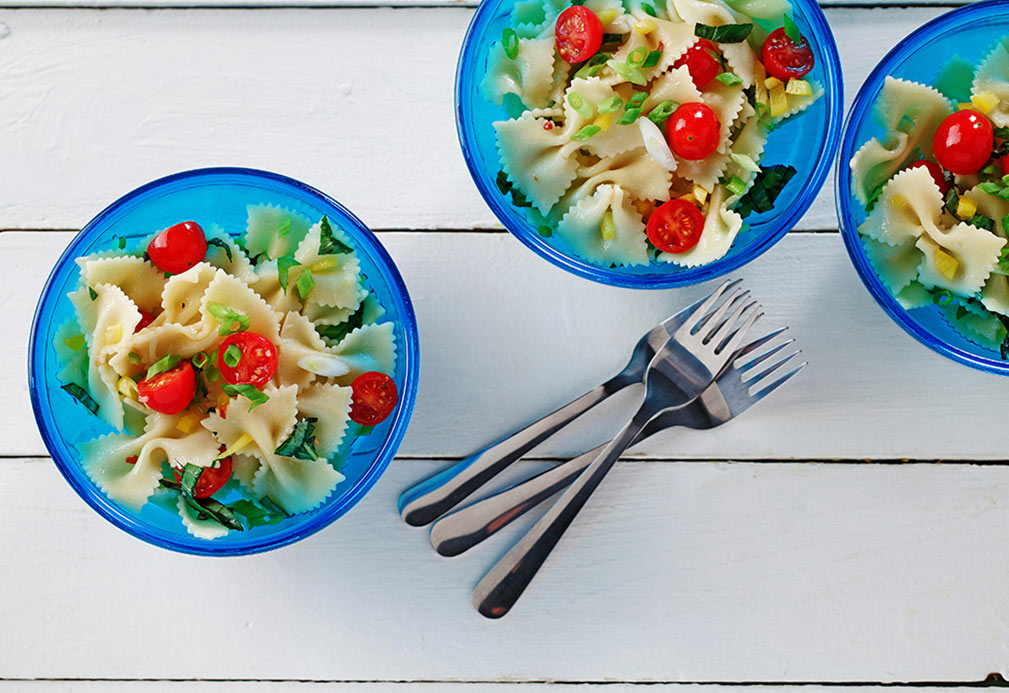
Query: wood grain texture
pixel 674 572
pixel 122 686
pixel 490 362
pixel 95 103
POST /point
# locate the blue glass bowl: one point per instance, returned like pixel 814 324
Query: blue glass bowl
pixel 214 196
pixel 968 32
pixel 807 142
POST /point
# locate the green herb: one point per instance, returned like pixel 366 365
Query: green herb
pixel 792 31
pixel 614 38
pixel 506 187
pixel 629 116
pixel 649 10
pixel 767 185
pixel 991 187
pixel 305 284
pixel 764 116
pixel 728 79
pixel 122 242
pixel 222 245
pixel 329 244
pixel 577 102
pixel 982 222
pixel 365 430
pixel 232 355
pixel 637 100
pixel 952 201
pixel 284 265
pixel 336 333
pixel 545 231
pixel 1002 133
pixel 82 396
pixel 199 359
pixel 593 66
pixel 510 42
pixel 614 103
pixel 631 73
pixel 231 320
pixel 637 57
pixel 586 133
pixel 207 509
pixel 284 227
pixel 1002 266
pixel 134 358
pixel 201 390
pixel 92 293
pixel 75 343
pixel 735 185
pixel 874 198
pixel 990 170
pixel 247 390
pixel 301 443
pixel 255 515
pixel 165 363
pixel 653 59
pixel 211 371
pixel 661 113
pixel 727 33
pixel 942 297
pixel 745 162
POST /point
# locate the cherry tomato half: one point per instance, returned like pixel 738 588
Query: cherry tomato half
pixel 700 62
pixel 675 227
pixel 784 59
pixel 578 34
pixel 693 131
pixel 255 366
pixel 935 171
pixel 169 392
pixel 374 398
pixel 963 142
pixel 211 479
pixel 1004 163
pixel 178 247
pixel 145 320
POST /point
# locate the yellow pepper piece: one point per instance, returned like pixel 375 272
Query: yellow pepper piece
pixel 772 83
pixel 186 423
pixel 946 264
pixel 326 263
pixel 607 227
pixel 603 121
pixel 700 194
pixel 75 343
pixel 128 388
pixel 798 87
pixel 643 207
pixel 985 101
pixel 779 102
pixel 113 333
pixel 242 441
pixel 689 197
pixel 607 16
pixel 645 27
pixel 965 106
pixel 966 209
pixel 759 90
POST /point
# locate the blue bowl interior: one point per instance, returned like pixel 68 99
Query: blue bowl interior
pixel 968 32
pixel 214 197
pixel 807 142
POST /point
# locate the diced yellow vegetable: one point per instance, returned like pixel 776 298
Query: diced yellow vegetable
pixel 966 209
pixel 772 83
pixel 759 90
pixel 608 16
pixel 643 207
pixel 75 343
pixel 242 441
pixel 645 27
pixel 798 87
pixel 779 102
pixel 946 264
pixel 603 121
pixel 128 388
pixel 607 227
pixel 186 423
pixel 326 263
pixel 113 333
pixel 965 106
pixel 222 400
pixel 985 101
pixel 700 194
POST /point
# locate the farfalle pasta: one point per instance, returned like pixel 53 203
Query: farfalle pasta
pixel 637 129
pixel 234 373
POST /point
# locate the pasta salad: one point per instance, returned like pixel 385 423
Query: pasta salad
pixel 234 372
pixel 637 129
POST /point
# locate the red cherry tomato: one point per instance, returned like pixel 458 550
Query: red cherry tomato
pixel 1004 163
pixel 145 320
pixel 578 34
pixel 211 479
pixel 374 398
pixel 703 67
pixel 963 142
pixel 693 131
pixel 784 59
pixel 257 363
pixel 178 247
pixel 934 171
pixel 132 459
pixel 675 227
pixel 169 392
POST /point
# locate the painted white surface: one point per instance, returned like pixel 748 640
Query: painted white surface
pixel 95 103
pixel 674 571
pixel 447 686
pixel 506 337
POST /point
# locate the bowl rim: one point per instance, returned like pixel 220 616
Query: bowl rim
pixel 843 199
pixel 523 231
pixel 331 510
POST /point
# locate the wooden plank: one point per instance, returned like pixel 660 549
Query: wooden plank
pixel 675 572
pixel 489 364
pixel 121 686
pixel 302 92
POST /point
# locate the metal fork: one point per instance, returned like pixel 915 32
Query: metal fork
pixel 680 372
pixel 735 390
pixel 431 498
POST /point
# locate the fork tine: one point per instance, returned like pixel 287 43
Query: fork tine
pixel 704 328
pixel 708 319
pixel 759 342
pixel 756 379
pixel 768 389
pixel 731 342
pixel 710 302
pixel 757 360
pixel 720 334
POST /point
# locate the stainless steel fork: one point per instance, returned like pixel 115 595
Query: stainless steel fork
pixel 680 372
pixel 738 388
pixel 431 498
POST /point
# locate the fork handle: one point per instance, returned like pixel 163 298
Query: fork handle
pixel 500 588
pixel 431 498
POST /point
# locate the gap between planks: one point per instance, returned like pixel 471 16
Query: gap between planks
pixel 463 4
pixel 993 680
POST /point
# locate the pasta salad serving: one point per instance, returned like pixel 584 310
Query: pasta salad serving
pixel 637 130
pixel 235 372
pixel 935 187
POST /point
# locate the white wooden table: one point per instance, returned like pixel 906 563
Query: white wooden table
pixel 852 530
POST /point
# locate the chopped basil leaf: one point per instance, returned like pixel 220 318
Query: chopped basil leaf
pixel 952 201
pixel 1002 266
pixel 201 388
pixel 165 363
pixel 982 222
pixel 728 79
pixel 767 185
pixel 206 509
pixel 1002 133
pixel 506 187
pixel 231 320
pixel 82 396
pixel 544 231
pixel 365 430
pixel 653 59
pixel 649 10
pixel 247 390
pixel 92 293
pixel 727 33
pixel 336 333
pixel 614 38
pixel 134 358
pixel 792 31
pixel 232 355
pixel 220 244
pixel 284 265
pixel 510 42
pixel 211 371
pixel 329 244
pixel 255 515
pixel 301 443
pixel 305 284
pixel 991 187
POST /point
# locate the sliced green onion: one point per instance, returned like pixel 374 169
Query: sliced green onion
pixel 247 390
pixel 134 358
pixel 232 355
pixel 653 59
pixel 165 363
pixel 284 227
pixel 545 231
pixel 631 73
pixel 305 284
pixel 1005 179
pixel 122 242
pixel 637 57
pixel 649 10
pixel 735 185
pixel 614 103
pixel 231 320
pixel 586 133
pixel 952 201
pixel 510 42
pixel 727 33
pixel 284 265
pixel 593 66
pixel 82 396
pixel 662 112
pixel 637 100
pixel 745 162
pixel 764 116
pixel 728 79
pixel 792 31
pixel 199 359
pixel 577 102
pixel 942 297
pixel 629 116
